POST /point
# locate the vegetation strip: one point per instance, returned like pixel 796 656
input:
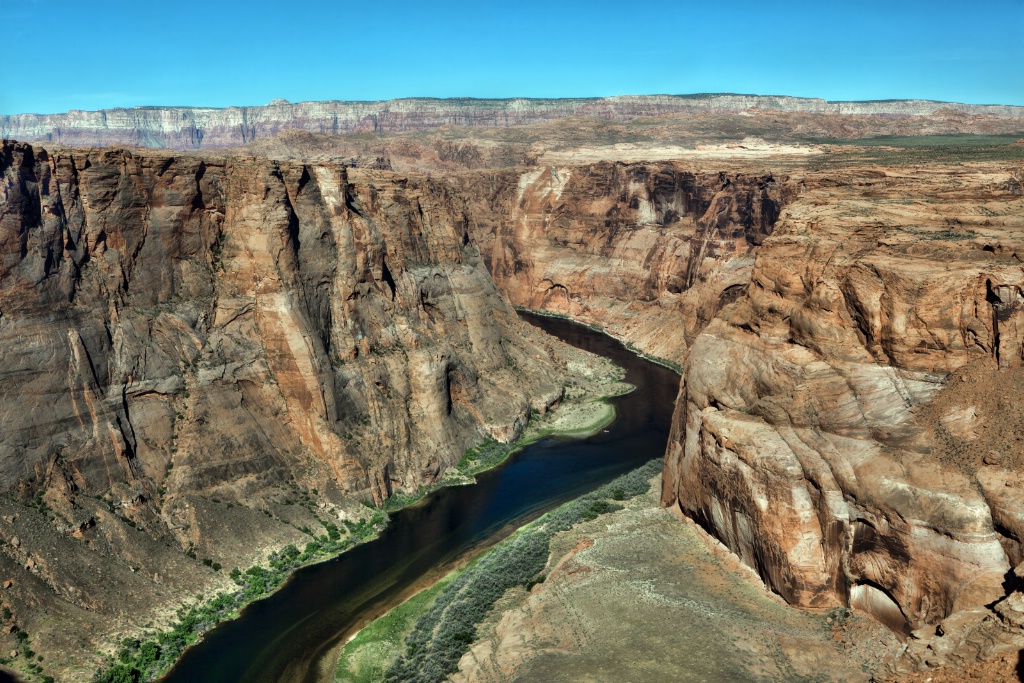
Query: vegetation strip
pixel 371 651
pixel 147 659
pixel 448 625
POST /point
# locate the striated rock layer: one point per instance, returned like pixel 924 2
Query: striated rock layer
pixel 639 248
pixel 833 328
pixel 195 127
pixel 797 438
pixel 191 345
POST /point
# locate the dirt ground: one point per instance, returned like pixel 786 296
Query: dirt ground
pixel 640 596
pixel 978 418
pixel 1005 670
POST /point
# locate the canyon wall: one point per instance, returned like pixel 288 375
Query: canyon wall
pixel 650 251
pixel 804 435
pixel 196 127
pixel 850 342
pixel 192 345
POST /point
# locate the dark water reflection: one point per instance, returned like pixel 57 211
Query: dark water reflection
pixel 282 637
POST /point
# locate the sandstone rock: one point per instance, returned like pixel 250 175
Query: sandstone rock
pixel 963 423
pixel 1011 609
pixel 965 639
pixel 177 329
pixel 651 252
pixel 993 458
pixel 194 127
pixel 795 438
pixel 236 274
pixel 1001 489
pixel 177 326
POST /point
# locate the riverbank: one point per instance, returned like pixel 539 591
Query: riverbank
pixel 657 360
pixel 642 591
pixel 582 410
pixel 425 636
pixel 635 589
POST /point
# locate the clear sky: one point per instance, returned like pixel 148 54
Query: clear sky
pixel 93 54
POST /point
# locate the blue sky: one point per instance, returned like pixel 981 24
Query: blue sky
pixel 92 54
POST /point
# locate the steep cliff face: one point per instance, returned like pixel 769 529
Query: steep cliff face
pixel 191 344
pixel 851 349
pixel 195 127
pixel 650 251
pixel 801 436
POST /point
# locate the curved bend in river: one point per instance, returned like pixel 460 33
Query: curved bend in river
pixel 283 638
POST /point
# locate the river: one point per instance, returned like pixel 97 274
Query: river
pixel 284 637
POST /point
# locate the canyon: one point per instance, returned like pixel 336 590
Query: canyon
pixel 193 346
pixel 194 342
pixel 815 316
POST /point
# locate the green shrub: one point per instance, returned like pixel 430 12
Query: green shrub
pixel 445 631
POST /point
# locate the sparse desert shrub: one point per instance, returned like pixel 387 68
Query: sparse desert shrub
pixel 445 631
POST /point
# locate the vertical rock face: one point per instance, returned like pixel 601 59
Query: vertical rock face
pixel 798 439
pixel 816 317
pixel 181 332
pixel 651 251
pixel 175 291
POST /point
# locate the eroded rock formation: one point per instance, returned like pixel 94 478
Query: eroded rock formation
pixel 190 345
pixel 819 315
pixel 651 251
pixel 797 437
pixel 851 346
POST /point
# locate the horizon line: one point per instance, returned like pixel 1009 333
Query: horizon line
pixel 285 102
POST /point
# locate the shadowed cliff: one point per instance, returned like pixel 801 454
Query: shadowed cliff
pixel 191 345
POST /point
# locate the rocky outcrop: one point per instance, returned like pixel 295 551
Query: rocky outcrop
pixel 814 323
pixel 982 643
pixel 799 438
pixel 201 281
pixel 190 345
pixel 851 350
pixel 195 127
pixel 630 591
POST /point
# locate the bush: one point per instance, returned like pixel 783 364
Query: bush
pixel 445 631
pixel 119 673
